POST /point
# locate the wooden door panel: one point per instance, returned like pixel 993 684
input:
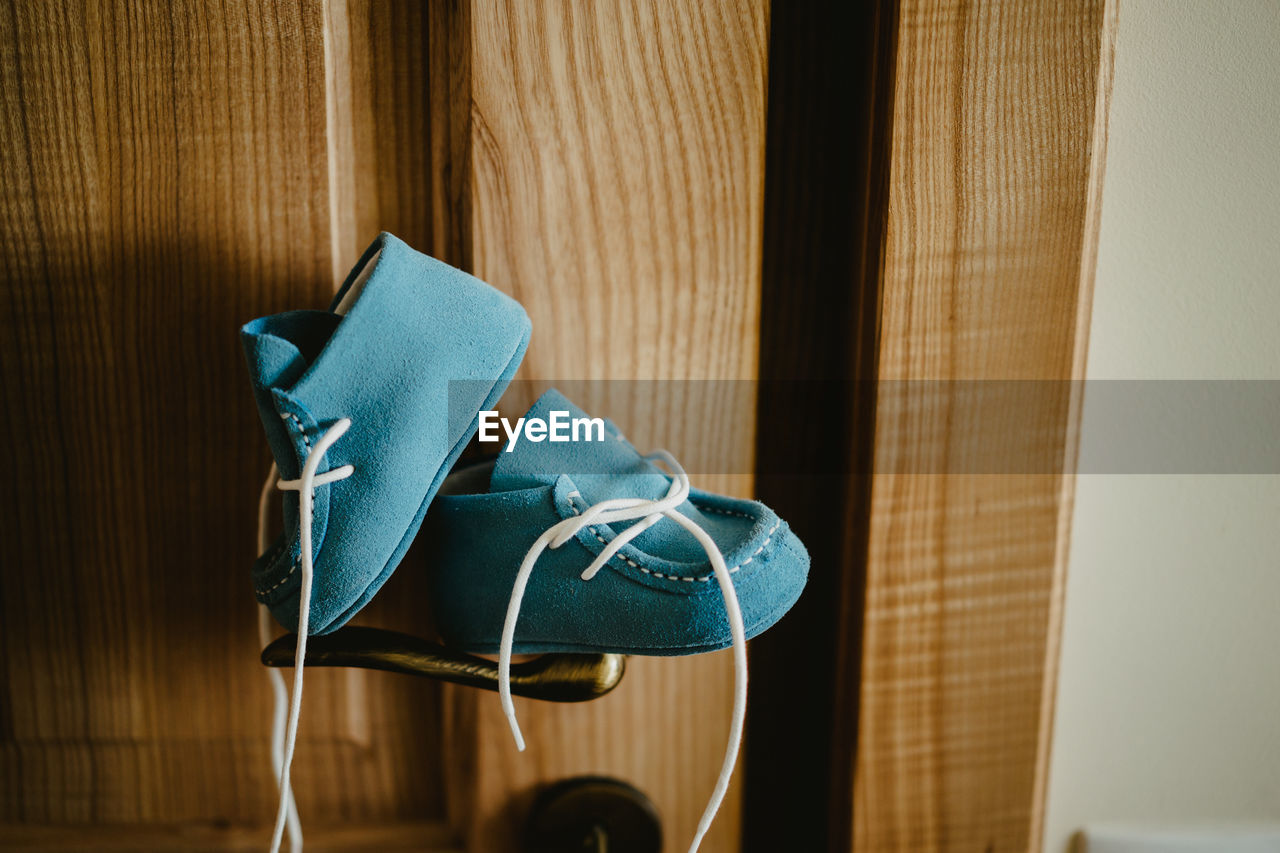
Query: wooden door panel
pixel 998 140
pixel 165 175
pixel 616 190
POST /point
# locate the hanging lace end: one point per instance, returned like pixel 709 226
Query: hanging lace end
pixel 515 732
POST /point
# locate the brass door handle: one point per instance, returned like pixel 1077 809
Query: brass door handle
pixel 552 677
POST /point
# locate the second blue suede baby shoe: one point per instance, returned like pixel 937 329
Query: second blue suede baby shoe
pixel 572 541
pixel 656 594
pixel 355 404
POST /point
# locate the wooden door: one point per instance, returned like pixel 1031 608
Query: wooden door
pixel 173 169
pixel 677 190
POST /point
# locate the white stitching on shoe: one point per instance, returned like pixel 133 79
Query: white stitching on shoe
pixel 286 417
pixel 705 578
pixel 279 583
pixel 719 511
pixel 301 429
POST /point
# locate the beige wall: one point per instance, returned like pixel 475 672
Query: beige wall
pixel 1169 692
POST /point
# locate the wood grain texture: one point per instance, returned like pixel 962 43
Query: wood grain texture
pixel 165 170
pixel 615 190
pixel 382 125
pixel 998 139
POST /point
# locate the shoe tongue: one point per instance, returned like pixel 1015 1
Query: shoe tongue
pixel 600 470
pixel 279 349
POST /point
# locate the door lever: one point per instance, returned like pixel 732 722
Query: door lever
pixel 550 677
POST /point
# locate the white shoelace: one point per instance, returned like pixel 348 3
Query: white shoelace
pixel 284 729
pixel 649 513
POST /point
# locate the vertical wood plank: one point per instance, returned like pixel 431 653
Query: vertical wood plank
pixel 998 139
pixel 385 116
pixel 615 189
pixel 165 174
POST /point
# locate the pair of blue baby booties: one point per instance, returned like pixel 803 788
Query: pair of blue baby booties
pixel 411 351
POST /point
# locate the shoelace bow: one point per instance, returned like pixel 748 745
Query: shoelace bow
pixel 648 513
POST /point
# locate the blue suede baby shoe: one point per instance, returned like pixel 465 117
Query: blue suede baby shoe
pixel 354 401
pixel 584 545
pixel 657 595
